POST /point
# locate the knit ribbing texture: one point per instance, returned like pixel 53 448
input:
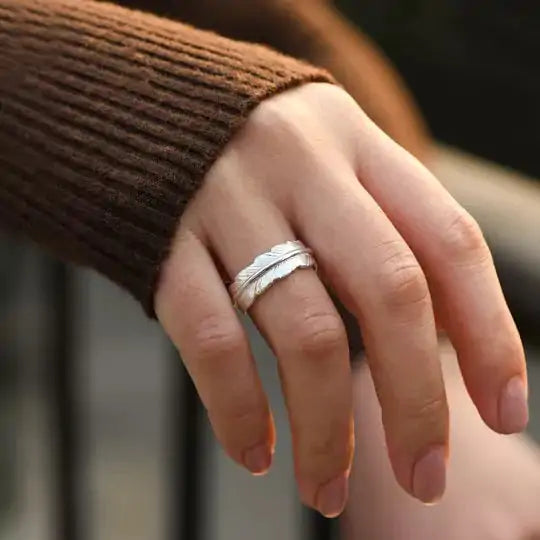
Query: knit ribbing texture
pixel 109 121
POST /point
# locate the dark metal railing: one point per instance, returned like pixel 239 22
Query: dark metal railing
pixel 63 403
pixel 187 429
pixel 185 505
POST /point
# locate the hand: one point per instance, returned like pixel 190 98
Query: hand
pixel 493 481
pixel 391 243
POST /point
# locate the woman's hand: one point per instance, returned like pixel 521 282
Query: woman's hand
pixel 493 481
pixel 395 248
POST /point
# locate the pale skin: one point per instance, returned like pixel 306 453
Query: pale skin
pixel 398 251
pixel 493 487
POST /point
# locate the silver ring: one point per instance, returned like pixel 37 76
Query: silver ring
pixel 273 265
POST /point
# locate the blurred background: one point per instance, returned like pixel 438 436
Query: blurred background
pixel 100 434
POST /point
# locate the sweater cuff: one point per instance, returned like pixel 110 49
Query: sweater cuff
pixel 109 121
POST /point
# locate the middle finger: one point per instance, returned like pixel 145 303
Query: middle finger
pixel 377 277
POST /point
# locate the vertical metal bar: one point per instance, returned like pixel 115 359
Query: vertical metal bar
pixel 65 412
pixel 319 527
pixel 187 457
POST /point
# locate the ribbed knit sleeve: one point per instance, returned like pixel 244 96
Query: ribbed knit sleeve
pixel 109 121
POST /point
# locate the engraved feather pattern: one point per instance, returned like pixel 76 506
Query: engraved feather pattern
pixel 262 262
pixel 277 272
pixel 267 259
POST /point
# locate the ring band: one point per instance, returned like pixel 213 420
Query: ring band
pixel 273 265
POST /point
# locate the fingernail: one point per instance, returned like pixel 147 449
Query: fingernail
pixel 332 496
pixel 258 459
pixel 513 407
pixel 429 476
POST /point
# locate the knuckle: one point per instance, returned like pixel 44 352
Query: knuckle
pixel 274 123
pixel 463 240
pixel 245 412
pixel 403 283
pixel 239 423
pixel 429 410
pixel 326 449
pixel 332 451
pixel 319 331
pixel 326 456
pixel 216 337
pixel 291 126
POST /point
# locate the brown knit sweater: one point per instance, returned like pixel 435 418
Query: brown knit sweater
pixel 110 118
